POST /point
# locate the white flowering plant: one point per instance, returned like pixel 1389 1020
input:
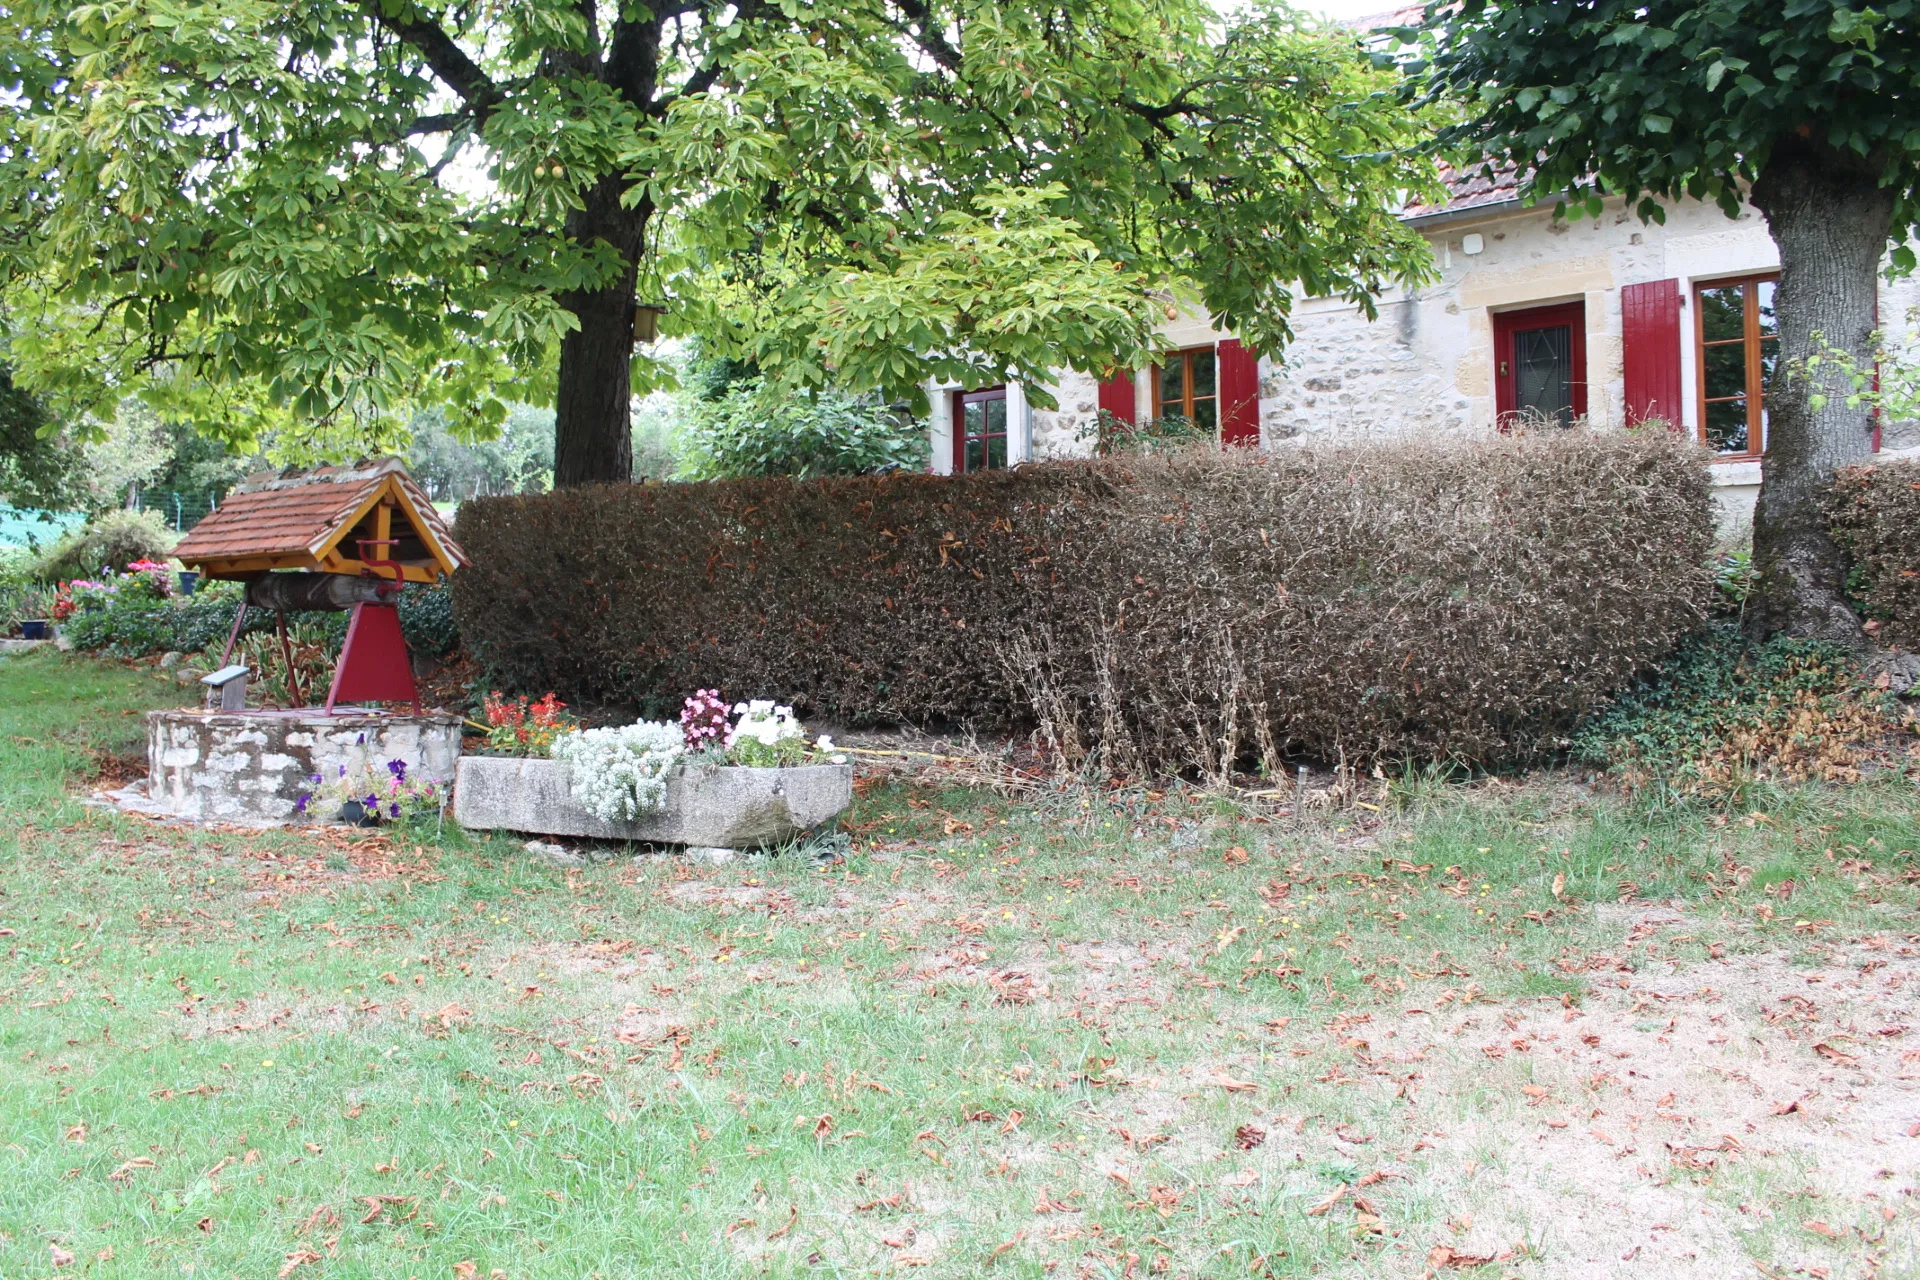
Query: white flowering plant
pixel 621 774
pixel 770 736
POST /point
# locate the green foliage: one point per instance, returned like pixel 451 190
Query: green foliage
pixel 129 625
pixel 863 194
pixel 1724 711
pixel 1119 436
pixel 112 541
pixel 449 468
pixel 754 430
pixel 39 466
pixel 1665 99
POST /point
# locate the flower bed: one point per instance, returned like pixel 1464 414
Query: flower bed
pixel 706 781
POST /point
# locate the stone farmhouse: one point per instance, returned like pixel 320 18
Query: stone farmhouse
pixel 1610 320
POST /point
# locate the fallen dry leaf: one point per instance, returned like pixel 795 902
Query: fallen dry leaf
pixel 1820 1228
pixel 465 1270
pixel 1832 1054
pixel 1249 1136
pixel 1320 1207
pixel 295 1260
pixel 61 1258
pixel 1445 1255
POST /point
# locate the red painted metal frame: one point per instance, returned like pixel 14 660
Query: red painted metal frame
pixel 374 665
pixel 1508 323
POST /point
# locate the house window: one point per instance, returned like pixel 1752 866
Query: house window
pixel 1540 364
pixel 1736 344
pixel 980 430
pixel 1185 386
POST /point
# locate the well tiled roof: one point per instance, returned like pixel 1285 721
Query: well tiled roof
pixel 299 512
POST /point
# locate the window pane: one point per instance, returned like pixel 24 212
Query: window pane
pixel 1722 313
pixel 1203 413
pixel 996 416
pixel 1173 386
pixel 1765 292
pixel 996 452
pixel 973 416
pixel 1769 356
pixel 976 455
pixel 1202 373
pixel 1726 368
pixel 1727 426
pixel 1543 371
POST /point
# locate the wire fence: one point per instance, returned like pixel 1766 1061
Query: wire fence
pixel 181 511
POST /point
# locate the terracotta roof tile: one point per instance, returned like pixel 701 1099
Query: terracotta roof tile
pixel 1470 189
pixel 293 513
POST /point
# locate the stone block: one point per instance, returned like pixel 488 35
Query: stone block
pixel 715 806
pixel 253 766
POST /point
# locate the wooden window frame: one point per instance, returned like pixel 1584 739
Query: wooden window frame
pixel 1749 339
pixel 1508 323
pixel 961 399
pixel 1185 405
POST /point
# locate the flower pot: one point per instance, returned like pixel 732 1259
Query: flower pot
pixel 33 629
pixel 717 806
pixel 355 814
pixel 189 581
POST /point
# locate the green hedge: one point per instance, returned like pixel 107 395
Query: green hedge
pixel 1171 613
pixel 1876 520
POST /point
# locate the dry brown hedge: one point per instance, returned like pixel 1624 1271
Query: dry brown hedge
pixel 1876 519
pixel 1173 614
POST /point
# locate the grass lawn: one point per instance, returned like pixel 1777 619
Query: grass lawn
pixel 1510 1030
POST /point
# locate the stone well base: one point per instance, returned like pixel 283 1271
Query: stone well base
pixel 254 765
pixel 715 806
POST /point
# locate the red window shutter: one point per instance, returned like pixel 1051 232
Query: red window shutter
pixel 1650 350
pixel 1116 397
pixel 1239 374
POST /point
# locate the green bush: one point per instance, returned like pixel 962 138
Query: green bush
pixel 1191 611
pixel 133 626
pixel 1724 712
pixel 747 432
pixel 111 541
pixel 1875 517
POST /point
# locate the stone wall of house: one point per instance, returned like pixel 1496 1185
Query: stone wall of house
pixel 1424 366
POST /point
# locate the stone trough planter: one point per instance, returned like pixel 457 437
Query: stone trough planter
pixel 708 805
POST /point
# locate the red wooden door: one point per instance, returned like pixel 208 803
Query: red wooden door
pixel 1540 363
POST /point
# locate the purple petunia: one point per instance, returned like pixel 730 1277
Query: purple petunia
pixel 398 768
pixel 300 805
pixel 396 808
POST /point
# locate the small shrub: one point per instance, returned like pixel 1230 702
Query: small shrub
pixel 111 541
pixel 1724 715
pixel 749 431
pixel 1196 611
pixel 133 624
pixel 1875 517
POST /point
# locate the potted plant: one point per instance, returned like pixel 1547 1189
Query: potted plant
pixel 740 777
pixel 366 798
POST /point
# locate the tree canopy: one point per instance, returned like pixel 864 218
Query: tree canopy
pixel 1804 109
pixel 1666 99
pixel 336 210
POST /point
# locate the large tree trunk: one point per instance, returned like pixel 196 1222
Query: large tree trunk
pixel 1831 218
pixel 593 422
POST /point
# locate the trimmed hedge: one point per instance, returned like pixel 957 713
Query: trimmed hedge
pixel 1172 613
pixel 1876 520
pixel 133 628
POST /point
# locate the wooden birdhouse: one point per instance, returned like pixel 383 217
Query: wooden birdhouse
pixel 331 538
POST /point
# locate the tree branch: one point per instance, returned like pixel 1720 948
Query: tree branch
pixel 446 59
pixel 932 41
pixel 703 78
